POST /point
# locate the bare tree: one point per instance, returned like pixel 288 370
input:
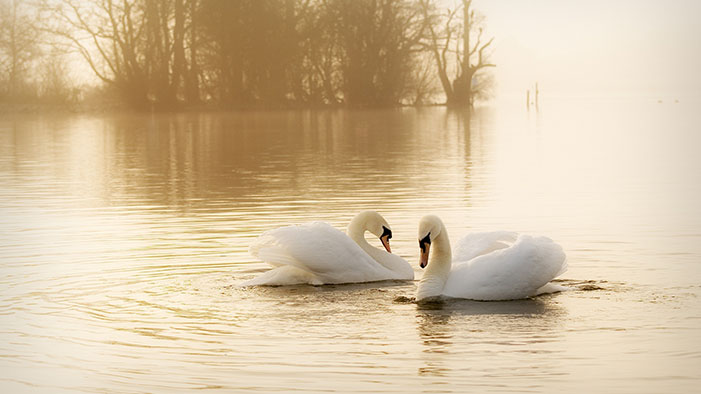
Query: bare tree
pixel 110 36
pixel 18 47
pixel 252 52
pixel 422 87
pixel 55 86
pixel 192 74
pixel 318 70
pixel 222 50
pixel 135 46
pixel 452 49
pixel 178 72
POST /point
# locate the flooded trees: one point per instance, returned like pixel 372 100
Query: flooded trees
pixel 458 61
pixel 251 50
pixel 286 52
pixel 320 78
pixel 379 39
pixel 166 54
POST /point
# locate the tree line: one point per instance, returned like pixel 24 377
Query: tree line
pixel 170 54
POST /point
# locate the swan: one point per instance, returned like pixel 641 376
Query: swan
pixel 317 253
pixel 489 266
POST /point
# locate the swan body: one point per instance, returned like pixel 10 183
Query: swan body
pixel 317 253
pixel 488 266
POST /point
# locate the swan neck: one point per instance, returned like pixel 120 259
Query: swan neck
pixel 441 250
pixel 441 258
pixel 438 269
pixel 356 232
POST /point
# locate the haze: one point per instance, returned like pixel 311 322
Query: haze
pixel 595 48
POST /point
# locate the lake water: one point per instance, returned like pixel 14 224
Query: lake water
pixel 123 239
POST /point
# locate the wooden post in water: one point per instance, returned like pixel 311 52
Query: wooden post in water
pixel 528 99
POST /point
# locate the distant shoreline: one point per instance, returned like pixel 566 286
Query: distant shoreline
pixel 85 108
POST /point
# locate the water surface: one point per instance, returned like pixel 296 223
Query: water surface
pixel 123 239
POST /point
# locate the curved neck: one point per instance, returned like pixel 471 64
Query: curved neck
pixel 397 265
pixel 356 232
pixel 438 269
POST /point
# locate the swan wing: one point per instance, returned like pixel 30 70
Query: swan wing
pixel 512 272
pixel 477 244
pixel 325 253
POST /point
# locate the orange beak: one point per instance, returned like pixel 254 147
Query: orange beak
pixel 423 260
pixel 385 242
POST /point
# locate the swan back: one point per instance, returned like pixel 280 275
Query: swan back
pixel 511 272
pixel 320 250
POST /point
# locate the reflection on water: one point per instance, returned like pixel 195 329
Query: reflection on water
pixel 436 337
pixel 450 327
pixel 123 239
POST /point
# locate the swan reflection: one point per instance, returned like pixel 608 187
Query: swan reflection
pixel 436 338
pixel 450 327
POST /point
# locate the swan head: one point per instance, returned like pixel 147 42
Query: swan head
pixel 430 227
pixel 374 223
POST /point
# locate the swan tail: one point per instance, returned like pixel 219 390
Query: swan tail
pixel 550 287
pixel 555 256
pixel 563 267
pixel 286 269
pixel 552 255
pixel 276 256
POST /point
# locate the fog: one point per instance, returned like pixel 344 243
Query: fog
pixel 598 48
pixel 186 54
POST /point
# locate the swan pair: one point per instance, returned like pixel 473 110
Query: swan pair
pixel 487 266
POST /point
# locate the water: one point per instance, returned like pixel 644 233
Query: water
pixel 123 239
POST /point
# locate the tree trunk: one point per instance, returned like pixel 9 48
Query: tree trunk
pixel 178 48
pixel 192 86
pixel 465 87
pixel 462 92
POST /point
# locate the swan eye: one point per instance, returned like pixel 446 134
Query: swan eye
pixel 425 241
pixel 386 232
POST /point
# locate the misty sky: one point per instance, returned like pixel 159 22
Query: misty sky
pixel 596 47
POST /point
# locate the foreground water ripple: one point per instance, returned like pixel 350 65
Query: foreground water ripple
pixel 120 261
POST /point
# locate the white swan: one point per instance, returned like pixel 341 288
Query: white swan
pixel 316 253
pixel 487 266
